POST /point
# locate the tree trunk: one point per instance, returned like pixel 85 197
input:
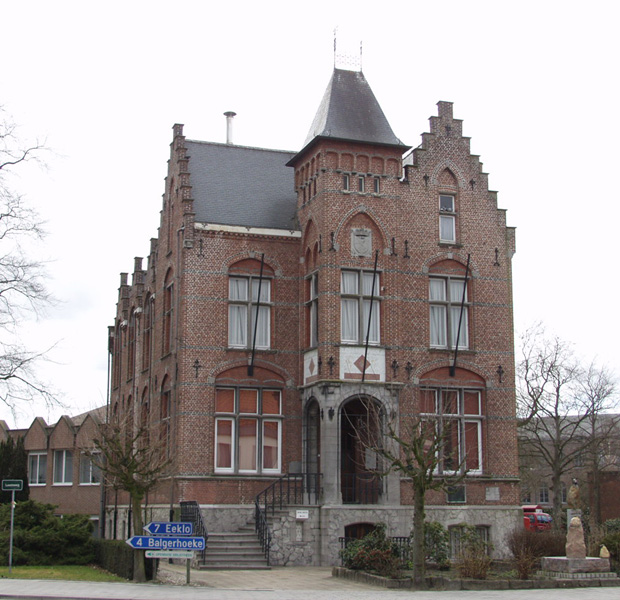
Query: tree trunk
pixel 139 571
pixel 556 489
pixel 418 535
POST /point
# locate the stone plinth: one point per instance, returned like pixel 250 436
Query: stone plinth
pixel 562 564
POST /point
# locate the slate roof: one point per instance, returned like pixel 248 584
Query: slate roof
pixel 240 185
pixel 350 111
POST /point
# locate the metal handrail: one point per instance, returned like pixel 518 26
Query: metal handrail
pixel 191 513
pixel 298 488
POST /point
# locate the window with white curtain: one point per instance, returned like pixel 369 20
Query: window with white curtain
pixel 449 307
pixel 447 218
pixel 455 414
pixel 242 312
pixel 248 430
pixel 358 317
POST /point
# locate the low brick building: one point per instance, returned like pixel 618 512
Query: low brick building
pixel 288 292
pixel 59 471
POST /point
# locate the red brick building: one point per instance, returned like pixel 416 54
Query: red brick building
pixel 287 290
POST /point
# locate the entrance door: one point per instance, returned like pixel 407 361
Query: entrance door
pixel 359 434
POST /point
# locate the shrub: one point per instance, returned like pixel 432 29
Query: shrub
pixel 527 547
pixel 612 525
pixel 374 553
pixel 41 538
pixel 553 543
pixel 436 544
pixel 473 559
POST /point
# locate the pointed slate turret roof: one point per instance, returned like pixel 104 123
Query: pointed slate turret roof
pixel 349 111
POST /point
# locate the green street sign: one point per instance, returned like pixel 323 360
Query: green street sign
pixel 12 485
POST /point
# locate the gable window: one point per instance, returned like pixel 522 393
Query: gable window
pixel 248 430
pixel 242 312
pixel 90 473
pixel 446 296
pixel 356 292
pixel 455 416
pixel 63 467
pixel 313 309
pixel 37 468
pixel 447 218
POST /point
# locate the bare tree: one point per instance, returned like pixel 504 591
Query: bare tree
pixel 597 390
pixel 130 461
pixel 22 289
pixel 558 404
pixel 417 450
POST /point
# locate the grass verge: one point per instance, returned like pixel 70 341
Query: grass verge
pixel 66 572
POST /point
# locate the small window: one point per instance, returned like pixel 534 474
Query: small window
pixel 543 494
pixel 456 493
pixel 346 183
pixel 376 185
pixel 90 474
pixel 361 184
pixel 37 469
pixel 63 467
pixel 447 219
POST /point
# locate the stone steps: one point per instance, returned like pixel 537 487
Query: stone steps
pixel 234 550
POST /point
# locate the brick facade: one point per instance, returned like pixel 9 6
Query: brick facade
pixel 178 335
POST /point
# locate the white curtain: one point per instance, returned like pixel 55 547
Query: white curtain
pixel 349 282
pixel 349 319
pixel 237 325
pixel 238 289
pixel 262 331
pixel 446 229
pixel 265 290
pixel 373 334
pixel 438 326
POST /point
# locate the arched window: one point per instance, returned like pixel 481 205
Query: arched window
pixel 147 332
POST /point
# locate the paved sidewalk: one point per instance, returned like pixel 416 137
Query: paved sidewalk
pixel 288 583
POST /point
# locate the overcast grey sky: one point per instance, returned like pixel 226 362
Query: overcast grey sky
pixel 103 82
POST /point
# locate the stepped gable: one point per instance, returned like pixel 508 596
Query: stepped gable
pixel 241 185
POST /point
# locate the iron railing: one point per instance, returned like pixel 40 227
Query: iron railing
pixel 190 513
pixel 361 488
pixel 291 489
pixel 298 488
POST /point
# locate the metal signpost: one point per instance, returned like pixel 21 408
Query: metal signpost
pixel 12 485
pixel 169 540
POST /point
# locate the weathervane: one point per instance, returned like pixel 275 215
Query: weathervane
pixel 346 60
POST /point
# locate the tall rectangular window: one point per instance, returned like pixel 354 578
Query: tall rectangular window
pixel 376 185
pixel 313 310
pixel 242 312
pixel 248 430
pixel 447 321
pixel 456 415
pixel 37 468
pixel 346 183
pixel 63 467
pixel 358 317
pixel 447 218
pixel 361 184
pixel 90 473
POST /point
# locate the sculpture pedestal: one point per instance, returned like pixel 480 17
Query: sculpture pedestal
pixel 576 568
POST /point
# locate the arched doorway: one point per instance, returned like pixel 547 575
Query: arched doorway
pixel 360 432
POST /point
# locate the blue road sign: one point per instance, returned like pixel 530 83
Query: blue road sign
pixel 163 528
pixel 147 542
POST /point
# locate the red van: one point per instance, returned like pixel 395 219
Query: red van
pixel 535 519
